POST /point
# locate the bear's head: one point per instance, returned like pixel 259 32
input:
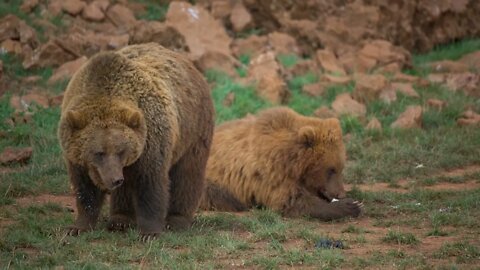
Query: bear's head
pixel 104 141
pixel 323 156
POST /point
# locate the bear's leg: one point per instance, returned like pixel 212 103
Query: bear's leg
pixel 186 187
pixel 122 213
pixel 150 196
pixel 306 204
pixel 88 197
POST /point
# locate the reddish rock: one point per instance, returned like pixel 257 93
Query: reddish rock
pixel 303 67
pixel 201 31
pixel 406 89
pixel 23 103
pixel 31 79
pixel 374 124
pixel 329 62
pixel 95 11
pixel 153 31
pixel 324 112
pixel 221 8
pixel 468 82
pixel 216 61
pixel 344 104
pixel 66 71
pixel 253 46
pixel 388 95
pixel 436 78
pixel 283 43
pixel 15 155
pixel 11 27
pixel 240 17
pixel 121 16
pixel 331 79
pixel 472 60
pixel 28 5
pixel 369 87
pixel 314 89
pixel 469 118
pixel 11 46
pixel 49 54
pixel 265 70
pixel 448 66
pixel 73 7
pixel 383 54
pixel 410 118
pixel 54 7
pixel 405 78
pixel 436 103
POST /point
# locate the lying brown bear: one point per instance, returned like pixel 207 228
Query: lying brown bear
pixel 281 160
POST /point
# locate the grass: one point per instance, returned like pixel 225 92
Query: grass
pixel 393 226
pixel 155 11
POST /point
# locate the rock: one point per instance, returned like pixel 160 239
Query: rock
pixel 383 54
pixel 73 7
pixel 468 82
pixel 221 8
pixel 406 89
pixel 251 46
pixel 265 70
pixel 15 155
pixel 472 60
pixel 48 55
pixel 314 89
pixel 369 87
pixel 153 31
pixel 54 7
pixel 374 124
pixel 11 46
pixel 23 103
pixel 28 5
pixel 201 31
pixel 66 71
pixel 11 27
pixel 229 99
pixel 31 79
pixel 410 118
pixel 436 78
pixel 469 118
pixel 95 11
pixel 448 66
pixel 388 95
pixel 436 103
pixel 216 61
pixel 302 67
pixel 121 16
pixel 19 118
pixel 324 112
pixel 240 17
pixel 331 79
pixel 344 104
pixel 283 44
pixel 329 62
pixel 405 78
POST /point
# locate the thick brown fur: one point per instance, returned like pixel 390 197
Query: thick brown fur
pixel 141 116
pixel 280 160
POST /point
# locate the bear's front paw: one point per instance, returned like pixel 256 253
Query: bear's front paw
pixel 120 223
pixel 74 230
pixel 349 207
pixel 177 223
pixel 147 237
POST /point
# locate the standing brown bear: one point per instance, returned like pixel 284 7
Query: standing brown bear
pixel 137 123
pixel 281 160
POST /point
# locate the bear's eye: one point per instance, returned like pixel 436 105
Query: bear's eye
pixel 121 153
pixel 331 172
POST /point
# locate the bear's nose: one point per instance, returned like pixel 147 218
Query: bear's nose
pixel 118 182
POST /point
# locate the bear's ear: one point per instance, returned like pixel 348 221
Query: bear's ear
pixel 132 118
pixel 332 130
pixel 306 136
pixel 75 120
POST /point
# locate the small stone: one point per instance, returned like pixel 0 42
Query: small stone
pixel 314 89
pixel 374 124
pixel 15 155
pixel 436 103
pixel 410 118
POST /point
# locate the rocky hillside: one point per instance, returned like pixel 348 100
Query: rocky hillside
pixel 338 41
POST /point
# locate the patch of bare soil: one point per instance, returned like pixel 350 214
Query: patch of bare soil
pixel 66 201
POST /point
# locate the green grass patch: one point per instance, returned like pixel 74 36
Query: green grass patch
pixel 155 11
pixel 402 238
pixel 462 251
